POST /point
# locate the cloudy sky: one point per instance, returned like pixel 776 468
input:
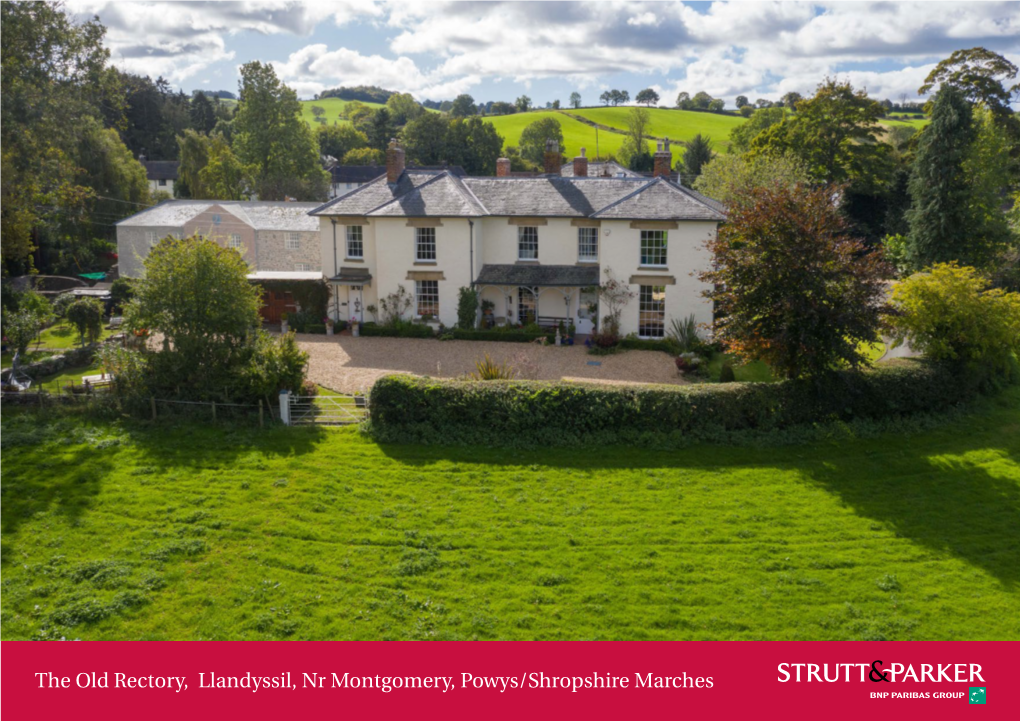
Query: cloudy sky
pixel 498 50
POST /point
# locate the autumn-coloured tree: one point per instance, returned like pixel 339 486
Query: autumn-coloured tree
pixel 791 286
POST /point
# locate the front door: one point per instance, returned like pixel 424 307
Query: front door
pixel 354 302
pixel 585 316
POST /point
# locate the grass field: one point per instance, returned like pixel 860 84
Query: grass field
pixel 333 108
pixel 673 124
pixel 61 336
pixel 118 531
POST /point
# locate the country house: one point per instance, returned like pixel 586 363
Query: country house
pixel 530 245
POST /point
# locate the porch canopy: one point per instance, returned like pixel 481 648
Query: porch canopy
pixel 567 279
pixel 352 276
pixel 538 276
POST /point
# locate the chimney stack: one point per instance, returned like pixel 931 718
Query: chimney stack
pixel 394 162
pixel 502 167
pixel 552 160
pixel 662 160
pixel 581 165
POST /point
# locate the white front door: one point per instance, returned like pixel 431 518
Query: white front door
pixel 585 319
pixel 354 302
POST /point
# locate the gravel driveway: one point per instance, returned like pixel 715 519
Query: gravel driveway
pixel 347 365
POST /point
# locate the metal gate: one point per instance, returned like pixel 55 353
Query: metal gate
pixel 323 410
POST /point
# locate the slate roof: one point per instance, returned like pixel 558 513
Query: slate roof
pixel 367 173
pixel 539 275
pixel 259 214
pixel 442 193
pixel 161 169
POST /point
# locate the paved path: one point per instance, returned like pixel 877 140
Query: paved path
pixel 347 365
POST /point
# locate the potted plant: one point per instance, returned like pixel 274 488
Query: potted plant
pixel 283 323
pixel 687 363
pixel 329 325
pixel 355 327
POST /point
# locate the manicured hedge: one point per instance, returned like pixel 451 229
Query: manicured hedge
pixel 407 330
pixel 531 413
pixel 506 336
pixel 665 345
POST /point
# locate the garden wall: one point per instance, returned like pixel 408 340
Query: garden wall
pixel 530 413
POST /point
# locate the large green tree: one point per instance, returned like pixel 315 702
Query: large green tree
pixel 731 178
pixel 474 145
pixel 836 133
pixel 981 76
pixel 425 139
pixel 939 217
pixel 53 77
pixel 338 140
pixel 271 138
pixel 697 155
pixel 403 108
pixel 203 116
pixel 463 106
pixel 634 149
pixel 535 135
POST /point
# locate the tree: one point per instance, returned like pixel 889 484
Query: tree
pixel 223 176
pixel 730 179
pixel 606 98
pixel 575 100
pixel 747 110
pixel 20 328
pixel 792 288
pixel 86 315
pixel 742 135
pixel 684 102
pixel 981 76
pixel 697 154
pixel 555 105
pixel 319 114
pixel 791 99
pixel 364 156
pixel 425 139
pixel 53 76
pixel 742 101
pixel 467 308
pixel 338 140
pixel 647 97
pixel 836 133
pixel 763 103
pixel 503 108
pixel 702 100
pixel 535 135
pixel 523 104
pixel 987 168
pixel 196 293
pixel 634 146
pixel 203 117
pixel 474 145
pixel 272 140
pixel 463 106
pixel 717 105
pixel 194 154
pixel 380 130
pixel 950 314
pixel 403 108
pixel 939 215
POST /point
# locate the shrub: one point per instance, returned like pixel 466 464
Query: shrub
pixel 121 291
pixel 534 413
pixel 506 335
pixel 665 345
pixel 61 303
pixel 488 370
pixel 467 308
pixel 726 374
pixel 685 333
pixel 950 314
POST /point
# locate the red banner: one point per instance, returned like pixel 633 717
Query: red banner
pixel 507 680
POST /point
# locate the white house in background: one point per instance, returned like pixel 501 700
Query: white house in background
pixel 161 174
pixel 529 245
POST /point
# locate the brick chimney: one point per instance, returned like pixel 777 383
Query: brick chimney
pixel 552 160
pixel 394 162
pixel 581 165
pixel 662 160
pixel 502 167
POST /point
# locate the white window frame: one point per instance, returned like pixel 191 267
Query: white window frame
pixel 652 253
pixel 152 238
pixel 423 294
pixel 292 241
pixel 235 242
pixel 527 242
pixel 355 241
pixel 587 239
pixel 649 308
pixel 425 245
pixel 303 267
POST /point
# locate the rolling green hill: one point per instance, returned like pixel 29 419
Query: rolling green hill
pixel 672 124
pixel 333 108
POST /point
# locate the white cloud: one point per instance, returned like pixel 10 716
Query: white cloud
pixel 643 19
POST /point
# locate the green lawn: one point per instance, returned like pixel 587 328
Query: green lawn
pixel 32 356
pixel 673 124
pixel 62 335
pixel 113 530
pixel 751 372
pixel 576 135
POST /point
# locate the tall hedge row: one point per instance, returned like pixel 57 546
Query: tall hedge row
pixel 533 413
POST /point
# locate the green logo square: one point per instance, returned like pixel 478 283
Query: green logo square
pixel 977 694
